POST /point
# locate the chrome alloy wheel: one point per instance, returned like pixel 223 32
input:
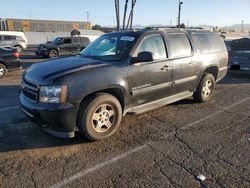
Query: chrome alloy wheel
pixel 207 88
pixel 2 71
pixel 53 54
pixel 103 118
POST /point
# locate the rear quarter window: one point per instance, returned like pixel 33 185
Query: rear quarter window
pixel 179 45
pixel 9 37
pixel 208 42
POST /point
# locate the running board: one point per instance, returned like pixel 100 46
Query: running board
pixel 159 103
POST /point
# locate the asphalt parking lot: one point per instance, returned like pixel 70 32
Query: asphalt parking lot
pixel 166 147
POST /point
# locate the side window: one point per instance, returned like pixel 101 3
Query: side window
pixel 154 44
pixel 75 40
pixel 179 45
pixel 8 37
pixel 208 42
pixel 67 41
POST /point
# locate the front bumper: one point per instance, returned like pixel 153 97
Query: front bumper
pixel 56 119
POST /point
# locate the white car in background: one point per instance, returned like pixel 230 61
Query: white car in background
pixel 13 39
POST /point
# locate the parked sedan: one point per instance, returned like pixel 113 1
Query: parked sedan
pixel 9 60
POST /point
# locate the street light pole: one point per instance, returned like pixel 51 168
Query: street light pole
pixel 87 12
pixel 179 14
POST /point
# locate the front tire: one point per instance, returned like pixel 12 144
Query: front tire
pixel 53 54
pixel 3 70
pixel 205 89
pixel 99 116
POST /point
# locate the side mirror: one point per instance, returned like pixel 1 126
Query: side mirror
pixel 144 57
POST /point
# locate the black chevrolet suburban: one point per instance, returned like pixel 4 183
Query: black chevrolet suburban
pixel 62 46
pixel 119 73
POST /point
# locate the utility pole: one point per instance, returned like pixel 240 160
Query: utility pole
pixel 179 13
pixel 29 15
pixel 125 14
pixel 242 26
pixel 117 11
pixel 130 18
pixel 87 13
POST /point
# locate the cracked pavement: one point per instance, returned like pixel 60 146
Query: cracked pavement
pixel 165 147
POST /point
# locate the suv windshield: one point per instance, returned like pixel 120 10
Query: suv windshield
pixel 57 40
pixel 109 47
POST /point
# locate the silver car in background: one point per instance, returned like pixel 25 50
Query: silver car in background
pixel 13 41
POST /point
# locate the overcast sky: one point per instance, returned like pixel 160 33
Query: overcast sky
pixel 147 12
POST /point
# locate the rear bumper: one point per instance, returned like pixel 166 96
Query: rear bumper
pixel 222 73
pixel 56 119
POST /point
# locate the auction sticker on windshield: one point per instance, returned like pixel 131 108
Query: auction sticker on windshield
pixel 127 38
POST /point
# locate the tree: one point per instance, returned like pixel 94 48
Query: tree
pixel 96 27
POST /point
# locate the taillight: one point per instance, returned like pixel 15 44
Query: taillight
pixel 16 54
pixel 227 58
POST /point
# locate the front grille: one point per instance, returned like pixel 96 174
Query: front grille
pixel 30 90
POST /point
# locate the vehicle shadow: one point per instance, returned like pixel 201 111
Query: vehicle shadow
pixel 17 132
pixel 236 77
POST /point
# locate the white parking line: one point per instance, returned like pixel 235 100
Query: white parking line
pixel 97 167
pixel 118 157
pixel 9 108
pixel 214 114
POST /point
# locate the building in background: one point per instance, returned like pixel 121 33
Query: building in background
pixel 29 25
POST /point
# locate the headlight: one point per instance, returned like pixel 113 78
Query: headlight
pixel 53 94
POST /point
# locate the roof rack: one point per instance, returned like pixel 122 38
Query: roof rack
pixel 169 27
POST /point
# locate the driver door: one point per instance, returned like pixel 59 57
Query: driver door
pixel 150 81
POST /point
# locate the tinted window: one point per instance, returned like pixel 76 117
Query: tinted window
pixel 154 44
pixel 7 37
pixel 76 40
pixel 208 42
pixel 84 41
pixel 67 41
pixel 57 40
pixel 179 45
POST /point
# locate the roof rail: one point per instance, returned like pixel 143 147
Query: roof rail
pixel 169 27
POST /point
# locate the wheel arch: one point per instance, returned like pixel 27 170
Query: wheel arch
pixel 115 91
pixel 1 62
pixel 214 70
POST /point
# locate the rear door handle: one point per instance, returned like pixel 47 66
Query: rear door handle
pixel 165 68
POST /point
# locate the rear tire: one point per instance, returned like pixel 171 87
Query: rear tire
pixel 19 48
pixel 3 70
pixel 205 89
pixel 99 116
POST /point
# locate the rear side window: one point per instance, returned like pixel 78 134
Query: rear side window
pixel 154 44
pixel 208 42
pixel 67 41
pixel 8 37
pixel 76 40
pixel 179 45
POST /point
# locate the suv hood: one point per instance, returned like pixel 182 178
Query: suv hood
pixel 45 72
